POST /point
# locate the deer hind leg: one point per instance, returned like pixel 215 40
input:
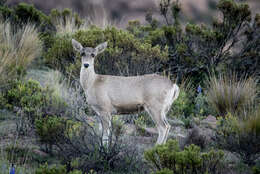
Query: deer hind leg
pixel 158 116
pixel 168 126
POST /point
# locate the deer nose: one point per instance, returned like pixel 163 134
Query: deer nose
pixel 86 65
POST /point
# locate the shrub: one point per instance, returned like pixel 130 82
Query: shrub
pixel 198 49
pixel 56 169
pixel 27 12
pixel 32 98
pixel 230 94
pixel 24 13
pixel 241 136
pixel 2 2
pixel 82 147
pixel 190 160
pixel 125 55
pixel 50 130
pixel 202 107
pixel 31 101
pixel 165 171
pixel 184 106
pixel 17 50
pixel 45 169
pixel 256 170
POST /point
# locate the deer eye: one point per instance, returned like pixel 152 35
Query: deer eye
pixel 83 54
pixel 92 55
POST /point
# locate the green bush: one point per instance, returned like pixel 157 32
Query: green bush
pixel 165 171
pixel 202 107
pixel 199 49
pixel 241 136
pixel 184 106
pixel 256 170
pixel 30 101
pixel 31 97
pixel 45 169
pixel 125 55
pixel 190 160
pixel 23 13
pixel 27 12
pixel 50 130
pixel 56 169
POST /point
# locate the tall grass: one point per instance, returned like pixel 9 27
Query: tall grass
pixel 229 94
pixel 17 49
pixel 252 124
pixel 69 25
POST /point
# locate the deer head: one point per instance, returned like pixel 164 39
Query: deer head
pixel 88 54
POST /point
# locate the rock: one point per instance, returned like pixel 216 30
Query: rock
pixel 200 136
pixel 231 158
pixel 179 133
pixel 195 121
pixel 10 135
pixel 40 153
pixel 210 122
pixel 130 129
pixel 151 130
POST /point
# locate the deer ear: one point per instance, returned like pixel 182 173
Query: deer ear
pixel 76 45
pixel 101 47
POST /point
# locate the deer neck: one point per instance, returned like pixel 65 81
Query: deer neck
pixel 87 77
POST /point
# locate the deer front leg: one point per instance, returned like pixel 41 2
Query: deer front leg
pixel 105 127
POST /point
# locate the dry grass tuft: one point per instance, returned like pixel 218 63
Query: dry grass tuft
pixel 17 49
pixel 230 94
pixel 69 25
pixel 252 124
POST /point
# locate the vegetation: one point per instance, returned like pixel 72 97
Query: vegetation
pixel 17 50
pixel 171 159
pixel 241 136
pixel 231 94
pixel 49 128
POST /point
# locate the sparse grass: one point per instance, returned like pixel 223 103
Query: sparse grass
pixel 17 49
pixel 230 94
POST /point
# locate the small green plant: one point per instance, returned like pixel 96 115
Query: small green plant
pixel 55 169
pixel 201 105
pixel 45 169
pixel 256 170
pixel 188 161
pixel 183 107
pixel 165 171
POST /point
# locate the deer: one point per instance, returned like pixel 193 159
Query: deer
pixel 109 95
